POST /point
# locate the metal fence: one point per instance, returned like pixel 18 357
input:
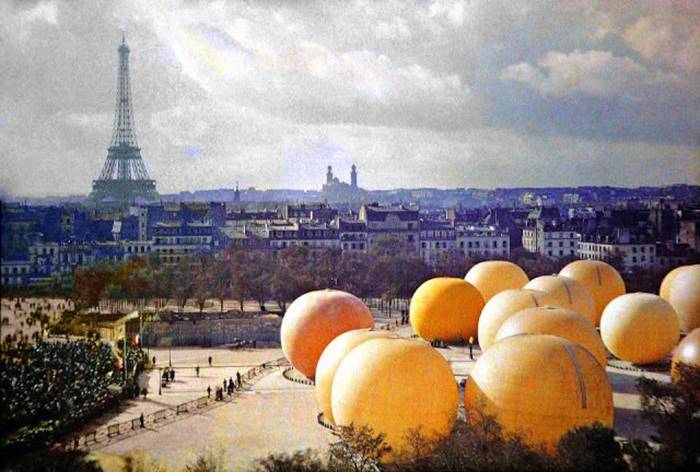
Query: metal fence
pixel 107 432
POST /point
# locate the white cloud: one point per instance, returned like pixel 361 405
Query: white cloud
pixel 395 29
pixel 42 11
pixel 594 73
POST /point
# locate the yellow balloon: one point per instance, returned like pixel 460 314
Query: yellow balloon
pixel 640 328
pixel 681 288
pixel 314 319
pixel 687 352
pixel 503 306
pixel 492 277
pixel 539 387
pixel 569 293
pixel 331 358
pixel 603 282
pixel 396 386
pixel 446 308
pixel 559 322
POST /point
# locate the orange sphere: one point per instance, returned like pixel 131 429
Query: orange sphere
pixel 314 319
pixel 396 386
pixel 503 306
pixel 665 288
pixel 569 293
pixel 492 277
pixel 559 322
pixel 639 327
pixel 681 288
pixel 331 358
pixel 446 308
pixel 539 386
pixel 601 280
pixel 687 352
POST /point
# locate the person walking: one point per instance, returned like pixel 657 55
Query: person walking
pixel 471 347
pixel 154 360
pixel 172 375
pixel 141 420
pixel 238 379
pixel 210 359
pixel 208 391
pixel 196 369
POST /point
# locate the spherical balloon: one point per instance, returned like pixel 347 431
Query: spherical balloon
pixel 665 287
pixel 492 277
pixel 503 306
pixel 446 308
pixel 314 319
pixel 687 352
pixel 601 280
pixel 396 386
pixel 681 288
pixel 334 353
pixel 561 322
pixel 569 293
pixel 539 387
pixel 639 327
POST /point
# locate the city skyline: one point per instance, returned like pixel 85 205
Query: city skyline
pixel 433 94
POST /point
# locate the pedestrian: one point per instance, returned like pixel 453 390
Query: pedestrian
pixel 154 360
pixel 210 361
pixel 141 420
pixel 225 384
pixel 208 391
pixel 144 391
pixel 238 379
pixel 172 375
pixel 196 369
pixel 471 347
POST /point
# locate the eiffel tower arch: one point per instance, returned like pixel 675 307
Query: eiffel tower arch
pixel 124 179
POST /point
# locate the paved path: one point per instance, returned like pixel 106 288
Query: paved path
pixel 276 415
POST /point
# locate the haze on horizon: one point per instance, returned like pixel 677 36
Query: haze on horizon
pixel 443 93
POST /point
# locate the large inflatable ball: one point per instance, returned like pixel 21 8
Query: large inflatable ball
pixel 446 308
pixel 602 281
pixel 314 319
pixel 503 306
pixel 557 321
pixel 334 353
pixel 492 277
pixel 569 293
pixel 640 328
pixel 396 387
pixel 539 387
pixel 687 352
pixel 681 288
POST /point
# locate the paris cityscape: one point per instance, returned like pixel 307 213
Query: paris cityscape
pixel 350 236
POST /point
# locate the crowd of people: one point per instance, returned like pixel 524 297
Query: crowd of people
pixel 49 387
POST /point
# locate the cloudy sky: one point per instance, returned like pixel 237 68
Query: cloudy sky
pixel 464 93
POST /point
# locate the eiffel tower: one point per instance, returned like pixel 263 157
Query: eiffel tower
pixel 124 179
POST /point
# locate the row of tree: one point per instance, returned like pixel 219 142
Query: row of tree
pixel 393 269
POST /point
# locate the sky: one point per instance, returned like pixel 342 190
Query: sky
pixel 443 93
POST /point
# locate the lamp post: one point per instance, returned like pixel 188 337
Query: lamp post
pixel 160 381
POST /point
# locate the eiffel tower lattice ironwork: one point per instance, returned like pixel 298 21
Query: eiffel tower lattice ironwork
pixel 124 178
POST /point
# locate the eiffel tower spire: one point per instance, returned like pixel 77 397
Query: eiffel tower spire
pixel 124 178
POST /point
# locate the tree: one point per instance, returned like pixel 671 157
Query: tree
pixel 451 264
pixel 358 450
pixel 220 278
pixel 300 461
pixel 590 448
pixel 183 283
pixel 240 286
pixel 260 267
pixel 674 410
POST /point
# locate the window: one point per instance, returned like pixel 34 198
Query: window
pixel 422 245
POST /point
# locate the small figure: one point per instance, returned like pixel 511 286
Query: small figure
pixel 471 347
pixel 208 391
pixel 141 420
pixel 210 361
pixel 172 375
pixel 154 360
pixel 196 369
pixel 238 379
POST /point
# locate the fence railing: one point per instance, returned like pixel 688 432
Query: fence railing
pixel 107 432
